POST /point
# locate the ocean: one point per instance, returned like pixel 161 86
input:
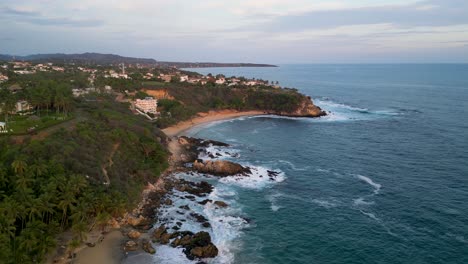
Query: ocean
pixel 382 179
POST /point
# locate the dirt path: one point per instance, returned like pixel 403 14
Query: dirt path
pixel 109 163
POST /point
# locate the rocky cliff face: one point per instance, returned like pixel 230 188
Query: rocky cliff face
pixel 305 109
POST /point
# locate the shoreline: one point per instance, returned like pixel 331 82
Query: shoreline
pixel 109 250
pixel 208 117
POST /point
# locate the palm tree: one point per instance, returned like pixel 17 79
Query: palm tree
pixel 67 200
pixel 80 229
pixel 19 166
pixel 8 105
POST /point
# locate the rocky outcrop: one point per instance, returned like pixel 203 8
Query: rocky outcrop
pixel 131 246
pixel 134 234
pixel 220 167
pixel 146 245
pixel 199 189
pixel 306 108
pixel 196 246
pixel 221 204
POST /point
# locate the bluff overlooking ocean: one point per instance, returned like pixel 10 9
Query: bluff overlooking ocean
pixel 382 179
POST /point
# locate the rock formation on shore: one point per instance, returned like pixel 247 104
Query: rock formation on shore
pixel 220 167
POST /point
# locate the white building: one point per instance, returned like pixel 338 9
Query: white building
pixel 3 78
pixel 184 78
pixel 3 128
pixel 220 81
pixel 147 105
pixel 22 106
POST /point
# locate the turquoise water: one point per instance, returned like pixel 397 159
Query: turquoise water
pixel 382 179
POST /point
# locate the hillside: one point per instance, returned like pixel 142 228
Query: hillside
pixel 108 59
pixel 188 100
pixel 74 178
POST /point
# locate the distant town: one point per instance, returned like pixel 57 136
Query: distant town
pixel 140 85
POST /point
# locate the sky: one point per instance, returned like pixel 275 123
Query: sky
pixel 261 31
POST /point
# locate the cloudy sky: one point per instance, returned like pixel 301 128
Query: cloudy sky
pixel 270 31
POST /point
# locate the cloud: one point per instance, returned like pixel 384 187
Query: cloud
pixel 425 13
pixel 37 18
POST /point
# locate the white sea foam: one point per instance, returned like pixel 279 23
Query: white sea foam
pixel 324 203
pixel 293 166
pixel 258 179
pixel 218 152
pixel 273 201
pixel 360 201
pixel 331 104
pixel 371 215
pixel 344 112
pixel 370 182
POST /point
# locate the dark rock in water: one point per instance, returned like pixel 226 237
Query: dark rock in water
pixel 211 156
pixel 196 246
pixel 179 223
pixel 157 234
pixel 205 201
pixel 272 173
pixel 217 154
pixel 190 197
pixel 200 218
pixel 221 204
pixel 179 212
pixel 199 189
pixel 131 246
pixel 146 245
pixel 176 227
pixel 206 224
pixel 201 247
pixel 209 251
pixel 220 168
pixel 168 202
pixel 185 207
pixel 165 238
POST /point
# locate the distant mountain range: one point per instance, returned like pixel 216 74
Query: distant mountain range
pixel 108 59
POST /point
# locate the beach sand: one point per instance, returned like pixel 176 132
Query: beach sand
pixel 203 118
pixel 107 252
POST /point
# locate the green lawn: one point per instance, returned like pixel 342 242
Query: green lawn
pixel 21 124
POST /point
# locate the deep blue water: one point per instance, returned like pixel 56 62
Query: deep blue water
pixel 383 179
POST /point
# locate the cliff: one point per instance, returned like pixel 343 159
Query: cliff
pixel 306 108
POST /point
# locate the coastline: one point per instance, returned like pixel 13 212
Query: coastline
pixel 109 251
pixel 207 117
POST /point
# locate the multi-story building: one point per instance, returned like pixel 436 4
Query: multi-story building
pixel 147 105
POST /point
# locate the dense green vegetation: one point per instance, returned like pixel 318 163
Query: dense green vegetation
pixel 191 99
pixel 74 179
pixel 51 102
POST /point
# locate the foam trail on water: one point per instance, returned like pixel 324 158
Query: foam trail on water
pixel 273 201
pixel 370 182
pixel 344 112
pixel 293 166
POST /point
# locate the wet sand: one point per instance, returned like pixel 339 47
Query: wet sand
pixel 107 252
pixel 203 118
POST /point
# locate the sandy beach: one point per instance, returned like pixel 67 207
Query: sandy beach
pixel 107 252
pixel 203 118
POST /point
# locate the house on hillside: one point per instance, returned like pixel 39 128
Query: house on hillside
pixel 3 128
pixel 22 106
pixel 3 78
pixel 184 78
pixel 220 81
pixel 166 77
pixel 147 105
